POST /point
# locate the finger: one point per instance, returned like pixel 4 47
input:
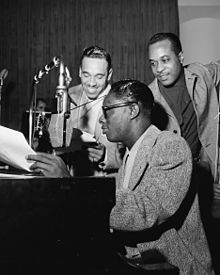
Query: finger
pixel 217 197
pixel 92 159
pixel 42 157
pixel 95 151
pixel 45 157
pixel 40 171
pixel 41 166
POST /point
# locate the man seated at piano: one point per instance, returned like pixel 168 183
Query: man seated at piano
pixel 156 208
pixel 97 156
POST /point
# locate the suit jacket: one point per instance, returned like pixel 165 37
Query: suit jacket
pixel 203 86
pixel 160 208
pixel 113 155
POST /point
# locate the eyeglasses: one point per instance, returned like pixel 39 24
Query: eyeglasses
pixel 119 105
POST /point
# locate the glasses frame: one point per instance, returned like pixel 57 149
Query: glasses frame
pixel 113 106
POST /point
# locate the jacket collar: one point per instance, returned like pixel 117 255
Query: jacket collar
pixel 190 82
pixel 141 160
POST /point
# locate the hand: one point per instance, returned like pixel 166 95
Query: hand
pixel 96 153
pixel 48 164
pixel 216 191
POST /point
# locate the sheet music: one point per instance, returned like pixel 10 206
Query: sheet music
pixel 87 137
pixel 14 149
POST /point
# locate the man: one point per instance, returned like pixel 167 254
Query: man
pixel 100 157
pixel 189 96
pixel 153 193
pixel 154 183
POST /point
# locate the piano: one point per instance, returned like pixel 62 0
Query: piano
pixel 54 222
pixel 60 226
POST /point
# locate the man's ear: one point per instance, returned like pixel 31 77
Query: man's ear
pixel 110 74
pixel 134 110
pixel 80 72
pixel 181 57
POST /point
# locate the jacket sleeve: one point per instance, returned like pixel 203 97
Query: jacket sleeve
pixel 160 191
pixel 214 70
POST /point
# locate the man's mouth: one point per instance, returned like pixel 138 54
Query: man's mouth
pixel 91 88
pixel 104 130
pixel 162 77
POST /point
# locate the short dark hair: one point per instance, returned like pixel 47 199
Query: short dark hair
pixel 173 38
pixel 96 52
pixel 134 90
pixel 40 99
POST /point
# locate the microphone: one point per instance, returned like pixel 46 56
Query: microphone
pixel 3 75
pixel 54 63
pixel 68 78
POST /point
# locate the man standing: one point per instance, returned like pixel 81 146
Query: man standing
pixel 189 97
pixel 101 157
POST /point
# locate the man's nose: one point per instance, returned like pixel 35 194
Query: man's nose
pixel 92 81
pixel 102 119
pixel 160 67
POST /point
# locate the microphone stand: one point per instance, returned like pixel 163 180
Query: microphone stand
pixel 1 84
pixel 3 75
pixel 32 114
pixel 32 111
pixel 63 103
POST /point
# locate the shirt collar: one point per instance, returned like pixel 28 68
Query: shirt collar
pixel 136 145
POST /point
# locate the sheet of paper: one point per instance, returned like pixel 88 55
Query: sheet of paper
pixel 14 149
pixel 87 137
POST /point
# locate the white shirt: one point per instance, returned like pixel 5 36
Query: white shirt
pixel 88 114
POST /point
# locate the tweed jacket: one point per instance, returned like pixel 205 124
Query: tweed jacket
pixel 113 156
pixel 159 182
pixel 203 83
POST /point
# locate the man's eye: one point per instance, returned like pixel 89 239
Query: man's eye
pixel 85 75
pixel 153 64
pixel 165 60
pixel 99 76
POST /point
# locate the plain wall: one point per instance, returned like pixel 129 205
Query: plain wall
pixel 199 30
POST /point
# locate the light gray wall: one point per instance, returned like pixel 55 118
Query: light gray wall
pixel 200 30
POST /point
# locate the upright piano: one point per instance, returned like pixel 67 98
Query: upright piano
pixel 58 223
pixel 60 226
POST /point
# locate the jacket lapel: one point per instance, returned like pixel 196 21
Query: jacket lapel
pixel 159 98
pixel 201 97
pixel 75 93
pixel 141 160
